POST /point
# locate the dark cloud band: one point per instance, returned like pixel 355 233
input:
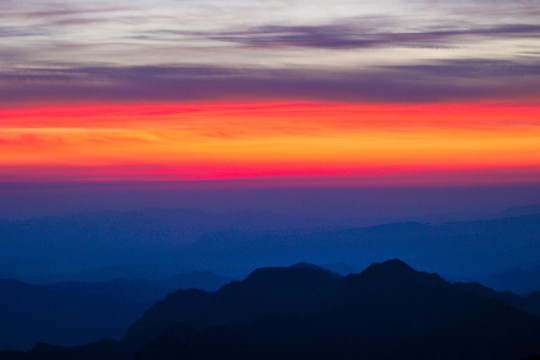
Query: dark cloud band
pixel 351 35
pixel 458 80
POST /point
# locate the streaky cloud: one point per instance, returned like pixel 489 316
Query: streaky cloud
pixel 352 35
pixel 433 81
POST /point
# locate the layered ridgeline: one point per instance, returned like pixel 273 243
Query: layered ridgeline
pixel 462 250
pixel 389 311
pixel 74 313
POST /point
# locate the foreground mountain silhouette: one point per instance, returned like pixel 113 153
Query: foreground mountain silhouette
pixel 389 311
pixel 74 313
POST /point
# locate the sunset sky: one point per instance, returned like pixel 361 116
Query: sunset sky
pixel 391 92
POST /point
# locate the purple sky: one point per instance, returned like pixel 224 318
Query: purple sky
pixel 384 51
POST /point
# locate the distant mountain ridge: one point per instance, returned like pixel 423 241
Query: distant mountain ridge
pixel 75 244
pixel 388 311
pixel 522 210
pixel 515 279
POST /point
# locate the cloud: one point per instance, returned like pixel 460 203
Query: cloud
pixel 437 81
pixel 51 16
pixel 18 31
pixel 473 68
pixel 360 33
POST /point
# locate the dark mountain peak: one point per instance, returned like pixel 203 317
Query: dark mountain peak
pixel 395 264
pixel 306 265
pixel 395 269
pixel 293 276
pixel 391 267
pixel 270 290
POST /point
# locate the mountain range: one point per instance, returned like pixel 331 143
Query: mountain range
pixel 388 311
pixel 74 313
pixel 31 250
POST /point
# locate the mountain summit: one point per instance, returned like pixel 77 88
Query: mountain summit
pixel 396 270
pixel 388 311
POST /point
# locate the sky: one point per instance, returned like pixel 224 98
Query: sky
pixel 264 114
pixel 275 93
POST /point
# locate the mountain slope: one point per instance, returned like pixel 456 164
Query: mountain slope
pixel 74 313
pixel 388 311
pixel 266 290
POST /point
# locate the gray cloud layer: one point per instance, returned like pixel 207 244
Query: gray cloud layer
pixel 458 80
pixel 287 57
pixel 349 36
